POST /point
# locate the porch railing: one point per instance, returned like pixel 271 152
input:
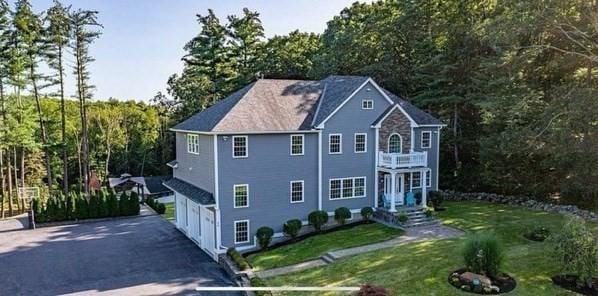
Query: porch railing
pixel 399 160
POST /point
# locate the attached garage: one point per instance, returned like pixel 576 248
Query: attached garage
pixel 195 214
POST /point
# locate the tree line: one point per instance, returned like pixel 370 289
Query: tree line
pixel 55 141
pixel 514 81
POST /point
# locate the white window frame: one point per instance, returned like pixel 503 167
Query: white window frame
pixel 193 145
pixel 235 195
pixel 429 139
pixel 235 231
pixel 246 146
pixel 365 103
pixel 302 191
pixel 428 180
pixel 400 141
pixel 413 183
pixel 340 143
pixel 302 144
pixel 365 142
pixel 342 189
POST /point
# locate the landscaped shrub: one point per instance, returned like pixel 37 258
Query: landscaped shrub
pixel 94 205
pixel 38 211
pixel 102 205
pixel 317 219
pixel 418 198
pixel 576 249
pixel 113 205
pixel 341 215
pixel 123 203
pixel 60 214
pixel 81 208
pixel 258 282
pixel 71 202
pixel 403 218
pixel 292 227
pixel 366 213
pixel 483 254
pixel 150 202
pixel 369 290
pixel 264 236
pixel 239 260
pixel 51 209
pixel 134 204
pixel 436 199
pixel 428 212
pixel 538 233
pixel 160 208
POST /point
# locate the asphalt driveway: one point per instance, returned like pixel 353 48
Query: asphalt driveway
pixel 136 256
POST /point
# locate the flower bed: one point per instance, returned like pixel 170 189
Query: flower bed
pixel 467 281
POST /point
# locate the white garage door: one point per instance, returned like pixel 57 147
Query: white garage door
pixel 181 212
pixel 193 218
pixel 207 230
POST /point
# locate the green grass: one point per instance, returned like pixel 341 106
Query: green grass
pixel 169 214
pixel 316 246
pixel 422 268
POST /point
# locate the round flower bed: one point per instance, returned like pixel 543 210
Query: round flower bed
pixel 570 282
pixel 467 281
pixel 538 234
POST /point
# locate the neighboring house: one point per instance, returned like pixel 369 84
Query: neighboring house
pixel 145 187
pixel 279 149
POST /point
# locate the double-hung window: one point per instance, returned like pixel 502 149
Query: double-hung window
pixel 429 179
pixel 296 144
pixel 416 180
pixel 296 191
pixel 347 188
pixel 361 143
pixel 239 146
pixel 241 195
pixel 367 104
pixel 335 144
pixel 241 231
pixel 193 144
pixel 426 139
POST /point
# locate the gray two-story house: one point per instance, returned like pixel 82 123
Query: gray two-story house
pixel 279 149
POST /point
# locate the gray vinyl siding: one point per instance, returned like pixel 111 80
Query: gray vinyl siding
pixel 432 151
pixel 351 119
pixel 197 169
pixel 267 170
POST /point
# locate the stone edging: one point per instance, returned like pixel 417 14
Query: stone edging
pixel 522 201
pixel 241 278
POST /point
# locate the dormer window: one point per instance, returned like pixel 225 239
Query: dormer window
pixel 367 104
pixel 193 144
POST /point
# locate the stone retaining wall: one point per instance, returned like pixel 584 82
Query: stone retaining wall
pixel 522 201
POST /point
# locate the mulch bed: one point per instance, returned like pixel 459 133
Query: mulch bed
pixel 536 238
pixel 569 282
pixel 503 281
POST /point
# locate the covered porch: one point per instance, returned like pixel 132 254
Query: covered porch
pixel 402 189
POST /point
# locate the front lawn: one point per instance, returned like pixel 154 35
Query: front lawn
pixel 316 246
pixel 422 268
pixel 169 213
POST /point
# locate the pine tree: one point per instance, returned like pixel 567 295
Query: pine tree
pixel 83 23
pixel 58 31
pixel 246 35
pixel 4 39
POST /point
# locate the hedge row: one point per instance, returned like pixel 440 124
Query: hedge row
pixel 160 208
pixel 75 206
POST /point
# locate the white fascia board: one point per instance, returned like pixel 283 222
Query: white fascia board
pixel 243 132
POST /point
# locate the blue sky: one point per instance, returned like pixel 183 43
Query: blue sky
pixel 142 41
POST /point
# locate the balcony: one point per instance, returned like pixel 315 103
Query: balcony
pixel 399 160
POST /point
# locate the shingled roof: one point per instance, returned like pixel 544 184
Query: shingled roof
pixel 270 105
pixel 192 192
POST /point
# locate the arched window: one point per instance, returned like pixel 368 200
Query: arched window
pixel 394 143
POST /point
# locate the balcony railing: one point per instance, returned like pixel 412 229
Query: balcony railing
pixel 399 160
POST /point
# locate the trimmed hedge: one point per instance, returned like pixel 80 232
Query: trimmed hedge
pixel 264 236
pixel 239 260
pixel 258 282
pixel 292 228
pixel 76 207
pixel 317 219
pixel 367 213
pixel 160 208
pixel 341 215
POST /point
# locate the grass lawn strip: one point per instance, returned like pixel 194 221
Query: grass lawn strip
pixel 422 268
pixel 169 214
pixel 316 246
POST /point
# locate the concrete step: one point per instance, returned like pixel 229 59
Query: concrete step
pixel 422 223
pixel 328 258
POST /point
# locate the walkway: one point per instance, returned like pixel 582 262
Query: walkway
pixel 416 234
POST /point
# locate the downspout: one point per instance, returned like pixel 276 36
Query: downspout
pixel 319 170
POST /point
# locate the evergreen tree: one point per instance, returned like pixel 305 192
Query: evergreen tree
pixel 290 56
pixel 82 207
pixel 112 205
pixel 94 206
pixel 246 35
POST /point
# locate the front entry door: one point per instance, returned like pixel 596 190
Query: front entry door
pixel 399 188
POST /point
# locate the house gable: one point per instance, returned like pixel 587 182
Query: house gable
pixel 395 121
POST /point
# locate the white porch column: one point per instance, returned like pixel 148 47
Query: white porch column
pixel 424 188
pixel 393 191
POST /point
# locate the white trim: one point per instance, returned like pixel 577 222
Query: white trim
pixel 428 174
pixel 235 231
pixel 365 144
pixel 397 106
pixel 321 125
pixel 246 146
pixel 320 170
pixel 176 165
pixel 437 157
pixel 302 191
pixel 411 180
pixel 340 143
pixel 365 181
pixel 241 132
pixel 235 195
pixel 195 145
pixel 432 125
pixel 291 144
pixel 217 217
pixel 422 140
pixel 412 144
pixel 388 143
pixel 364 104
pixel 376 139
